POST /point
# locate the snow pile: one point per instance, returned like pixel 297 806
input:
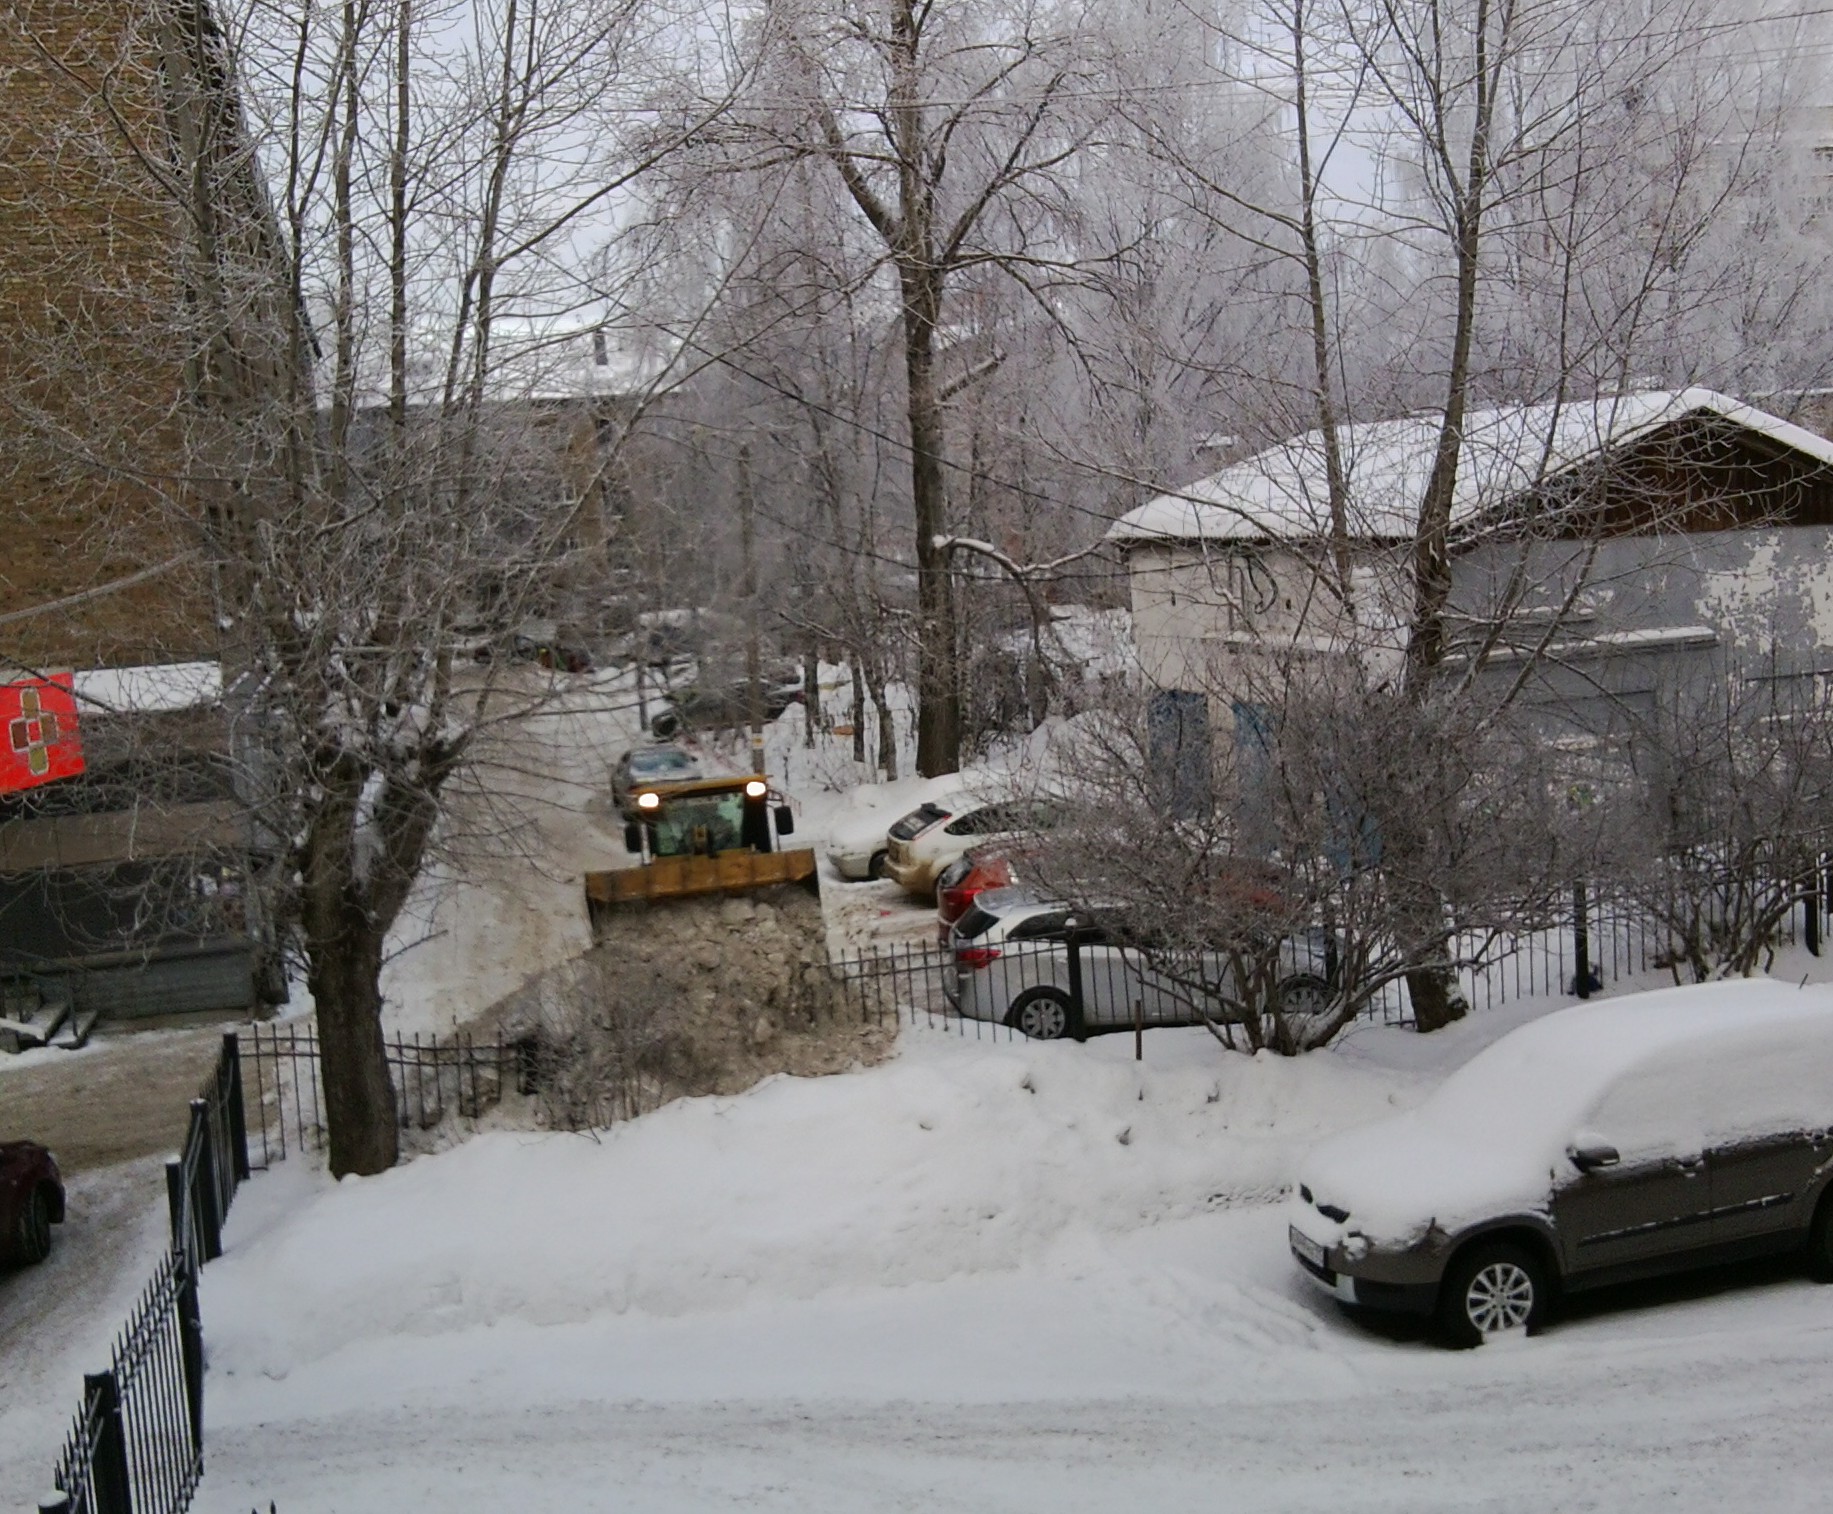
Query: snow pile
pixel 960 1157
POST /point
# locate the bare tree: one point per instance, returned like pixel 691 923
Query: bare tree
pixel 365 323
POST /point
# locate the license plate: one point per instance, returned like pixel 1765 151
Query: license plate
pixel 1304 1246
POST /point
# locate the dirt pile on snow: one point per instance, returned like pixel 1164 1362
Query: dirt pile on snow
pixel 694 997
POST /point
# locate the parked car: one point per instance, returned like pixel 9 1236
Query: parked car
pixel 703 707
pixel 859 859
pixel 1647 1134
pixel 927 840
pixel 648 767
pixel 1011 962
pixel 966 879
pixel 31 1202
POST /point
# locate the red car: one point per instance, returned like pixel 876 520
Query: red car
pixel 31 1202
pixel 964 878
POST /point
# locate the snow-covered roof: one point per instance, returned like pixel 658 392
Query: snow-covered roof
pixel 156 689
pixel 1282 493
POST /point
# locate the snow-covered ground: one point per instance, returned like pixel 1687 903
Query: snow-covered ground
pixel 983 1276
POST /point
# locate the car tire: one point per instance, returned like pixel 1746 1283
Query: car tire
pixel 33 1242
pixel 1042 1014
pixel 1304 993
pixel 1491 1289
pixel 875 869
pixel 1820 1241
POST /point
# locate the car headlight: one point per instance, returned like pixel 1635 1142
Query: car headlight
pixel 649 801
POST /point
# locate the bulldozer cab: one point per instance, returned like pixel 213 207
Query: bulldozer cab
pixel 706 819
pixel 712 836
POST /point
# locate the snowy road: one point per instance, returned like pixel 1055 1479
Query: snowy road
pixel 975 1278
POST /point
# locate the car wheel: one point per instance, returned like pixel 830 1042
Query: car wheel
pixel 876 867
pixel 34 1239
pixel 1043 1014
pixel 1489 1291
pixel 1820 1241
pixel 1305 994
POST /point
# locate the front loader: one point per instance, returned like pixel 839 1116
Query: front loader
pixel 710 836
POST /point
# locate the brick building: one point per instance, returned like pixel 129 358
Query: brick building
pixel 108 382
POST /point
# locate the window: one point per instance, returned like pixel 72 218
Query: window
pixel 1177 753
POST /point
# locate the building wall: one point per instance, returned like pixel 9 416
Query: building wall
pixel 1619 617
pixel 91 485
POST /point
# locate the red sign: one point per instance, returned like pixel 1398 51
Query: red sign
pixel 38 736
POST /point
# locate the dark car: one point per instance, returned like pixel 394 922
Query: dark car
pixel 31 1202
pixel 703 708
pixel 1648 1134
pixel 649 767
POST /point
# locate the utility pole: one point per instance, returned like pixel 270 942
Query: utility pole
pixel 747 507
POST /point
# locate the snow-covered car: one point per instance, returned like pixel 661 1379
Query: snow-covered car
pixel 1011 962
pixel 922 844
pixel 1652 1133
pixel 859 858
pixel 649 767
pixel 31 1202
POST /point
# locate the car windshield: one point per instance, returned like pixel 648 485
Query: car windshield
pixel 918 821
pixel 661 764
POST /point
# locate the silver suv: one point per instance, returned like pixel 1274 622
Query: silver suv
pixel 1011 963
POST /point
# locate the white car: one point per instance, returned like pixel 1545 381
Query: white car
pixel 922 845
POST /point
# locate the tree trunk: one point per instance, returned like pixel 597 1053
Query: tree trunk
pixel 938 698
pixel 859 711
pixel 360 1112
pixel 811 693
pixel 887 729
pixel 1436 1001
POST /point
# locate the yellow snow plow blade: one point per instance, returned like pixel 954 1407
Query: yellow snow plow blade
pixel 686 877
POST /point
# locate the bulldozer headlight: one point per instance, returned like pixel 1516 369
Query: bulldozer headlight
pixel 649 801
pixel 756 789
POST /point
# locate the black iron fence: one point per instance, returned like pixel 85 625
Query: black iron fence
pixel 136 1445
pixel 282 1072
pixel 1052 986
pixel 1585 941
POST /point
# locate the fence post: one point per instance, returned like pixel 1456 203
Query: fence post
pixel 102 1409
pixel 183 1242
pixel 1581 942
pixel 203 1195
pixel 238 1115
pixel 191 1350
pixel 1075 978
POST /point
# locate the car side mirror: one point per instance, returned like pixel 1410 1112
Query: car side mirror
pixel 785 821
pixel 633 837
pixel 1588 1153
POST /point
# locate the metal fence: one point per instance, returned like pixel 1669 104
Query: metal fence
pixel 1538 956
pixel 982 992
pixel 282 1072
pixel 136 1445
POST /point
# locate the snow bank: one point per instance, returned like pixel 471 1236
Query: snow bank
pixel 958 1158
